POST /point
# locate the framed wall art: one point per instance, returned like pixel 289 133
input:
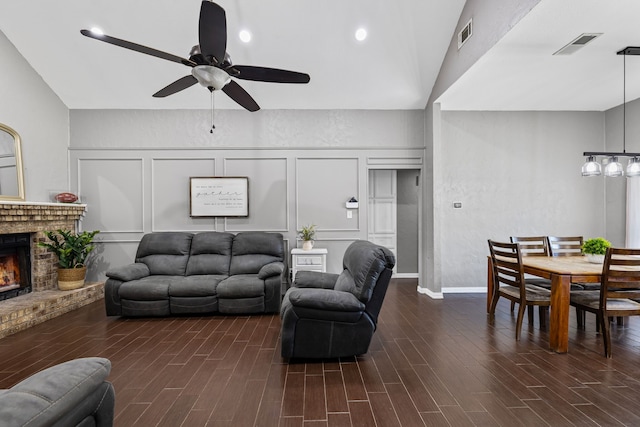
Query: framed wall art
pixel 224 196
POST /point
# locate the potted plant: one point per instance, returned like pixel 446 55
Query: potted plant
pixel 595 249
pixel 307 234
pixel 72 250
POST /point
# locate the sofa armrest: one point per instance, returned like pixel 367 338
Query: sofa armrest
pixel 325 299
pixel 315 279
pixel 50 395
pixel 129 272
pixel 270 270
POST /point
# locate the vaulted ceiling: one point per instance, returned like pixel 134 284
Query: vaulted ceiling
pixel 394 68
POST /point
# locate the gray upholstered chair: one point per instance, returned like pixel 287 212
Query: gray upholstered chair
pixel 328 315
pixel 73 393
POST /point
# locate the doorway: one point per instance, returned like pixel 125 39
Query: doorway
pixel 393 216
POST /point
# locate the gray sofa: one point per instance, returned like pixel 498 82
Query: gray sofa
pixel 73 393
pixel 328 315
pixel 203 273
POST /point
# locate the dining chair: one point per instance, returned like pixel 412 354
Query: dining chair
pixel 509 283
pixel 533 246
pixel 620 284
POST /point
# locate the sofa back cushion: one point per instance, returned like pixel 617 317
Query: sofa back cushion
pixel 165 253
pixel 253 249
pixel 210 253
pixel 363 262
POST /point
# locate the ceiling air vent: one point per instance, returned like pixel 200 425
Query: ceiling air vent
pixel 576 44
pixel 465 33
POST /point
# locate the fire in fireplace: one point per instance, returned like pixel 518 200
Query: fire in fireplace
pixel 15 265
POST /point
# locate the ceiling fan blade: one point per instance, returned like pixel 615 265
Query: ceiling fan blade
pixel 238 94
pixel 273 75
pixel 138 48
pixel 212 31
pixel 177 86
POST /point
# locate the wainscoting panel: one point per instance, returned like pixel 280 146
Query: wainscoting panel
pixel 268 205
pixel 170 193
pixel 323 186
pixel 113 190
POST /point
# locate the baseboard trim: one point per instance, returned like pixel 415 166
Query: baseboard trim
pixel 465 290
pixel 430 293
pixel 405 275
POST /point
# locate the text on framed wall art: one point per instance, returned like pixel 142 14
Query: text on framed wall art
pixel 219 196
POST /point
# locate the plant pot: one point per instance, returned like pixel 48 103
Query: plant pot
pixel 595 258
pixel 71 278
pixel 307 245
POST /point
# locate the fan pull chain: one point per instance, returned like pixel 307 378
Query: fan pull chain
pixel 212 125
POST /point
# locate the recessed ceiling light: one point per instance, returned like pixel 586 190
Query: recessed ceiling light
pixel 96 30
pixel 245 36
pixel 361 34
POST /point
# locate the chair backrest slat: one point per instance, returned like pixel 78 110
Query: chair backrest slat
pixel 620 274
pixel 507 265
pixel 565 246
pixel 532 245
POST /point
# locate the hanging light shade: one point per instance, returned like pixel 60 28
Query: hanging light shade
pixel 613 168
pixel 591 167
pixel 633 168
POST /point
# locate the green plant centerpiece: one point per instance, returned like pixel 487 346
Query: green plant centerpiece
pixel 595 249
pixel 307 234
pixel 72 250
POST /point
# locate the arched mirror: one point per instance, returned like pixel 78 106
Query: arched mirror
pixel 11 178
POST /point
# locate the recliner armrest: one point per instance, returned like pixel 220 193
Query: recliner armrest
pixel 129 272
pixel 315 279
pixel 270 270
pixel 325 299
pixel 50 395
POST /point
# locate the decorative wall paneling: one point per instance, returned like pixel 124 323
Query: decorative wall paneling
pixel 130 192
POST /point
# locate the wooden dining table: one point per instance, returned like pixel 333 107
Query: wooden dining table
pixel 562 271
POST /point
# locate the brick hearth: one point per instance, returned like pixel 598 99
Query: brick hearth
pixel 45 301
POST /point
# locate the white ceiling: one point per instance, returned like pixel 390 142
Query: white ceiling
pixel 395 68
pixel 520 72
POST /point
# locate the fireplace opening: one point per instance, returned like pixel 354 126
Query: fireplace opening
pixel 15 265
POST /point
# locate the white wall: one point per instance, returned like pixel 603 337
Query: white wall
pixel 41 119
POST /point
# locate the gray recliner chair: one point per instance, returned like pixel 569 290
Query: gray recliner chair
pixel 328 315
pixel 73 393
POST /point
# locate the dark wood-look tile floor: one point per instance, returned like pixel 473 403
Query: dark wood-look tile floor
pixel 433 363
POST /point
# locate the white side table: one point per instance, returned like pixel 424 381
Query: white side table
pixel 313 260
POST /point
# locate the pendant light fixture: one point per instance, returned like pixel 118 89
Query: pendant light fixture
pixel 613 167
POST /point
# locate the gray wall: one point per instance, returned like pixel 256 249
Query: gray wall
pixel 408 220
pixel 516 173
pixel 492 19
pixel 30 107
pixel 132 168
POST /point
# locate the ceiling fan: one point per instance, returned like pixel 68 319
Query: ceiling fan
pixel 210 63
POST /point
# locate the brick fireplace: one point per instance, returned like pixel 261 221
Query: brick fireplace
pixel 45 301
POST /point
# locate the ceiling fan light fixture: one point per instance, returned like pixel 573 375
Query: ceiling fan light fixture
pixel 210 76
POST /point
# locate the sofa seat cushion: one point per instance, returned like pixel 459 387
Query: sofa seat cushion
pixel 203 285
pixel 151 288
pixel 241 286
